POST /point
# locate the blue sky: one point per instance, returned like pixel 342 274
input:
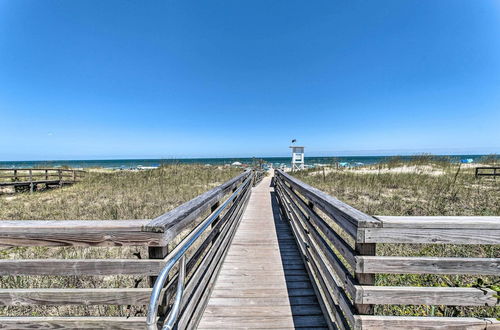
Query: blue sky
pixel 126 79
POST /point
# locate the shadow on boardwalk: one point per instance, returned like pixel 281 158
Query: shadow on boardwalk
pixel 303 302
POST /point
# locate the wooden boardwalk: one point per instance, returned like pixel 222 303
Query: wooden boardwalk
pixel 263 282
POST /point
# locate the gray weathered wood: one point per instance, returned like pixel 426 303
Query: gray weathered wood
pixel 426 236
pixel 76 233
pixel 78 267
pixel 428 265
pixel 258 322
pixel 202 282
pixel 340 244
pixel 396 295
pixel 377 322
pixel 21 323
pixel 328 302
pixel 454 222
pixel 119 296
pixel 262 232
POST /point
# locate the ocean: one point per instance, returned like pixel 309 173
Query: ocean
pixel 276 161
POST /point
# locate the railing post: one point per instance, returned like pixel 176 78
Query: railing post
pixel 365 249
pixel 60 177
pixel 46 175
pixel 31 180
pixel 158 253
pixel 15 175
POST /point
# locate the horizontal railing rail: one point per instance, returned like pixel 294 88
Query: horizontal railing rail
pixel 218 212
pixel 258 176
pixel 32 177
pixel 487 171
pixel 339 242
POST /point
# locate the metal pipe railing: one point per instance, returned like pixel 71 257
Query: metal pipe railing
pixel 178 255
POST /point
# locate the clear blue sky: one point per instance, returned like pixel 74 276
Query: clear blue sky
pixel 125 79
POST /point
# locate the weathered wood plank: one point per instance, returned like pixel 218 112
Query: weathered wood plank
pixel 454 222
pixel 258 322
pixel 255 271
pixel 76 233
pixel 176 220
pixel 428 265
pixel 264 285
pixel 77 267
pixel 259 278
pixel 119 296
pixel 453 296
pixel 262 301
pixel 373 322
pixel 257 311
pixel 429 236
pixel 21 323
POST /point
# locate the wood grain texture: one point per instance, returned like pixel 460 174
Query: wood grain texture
pixel 454 222
pixel 119 296
pixel 373 322
pixel 429 236
pixel 76 233
pixel 427 265
pixel 451 296
pixel 263 276
pixel 115 323
pixel 78 267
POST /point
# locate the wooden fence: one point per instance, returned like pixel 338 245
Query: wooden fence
pixel 203 262
pixel 487 171
pixel 32 177
pixel 339 244
pixel 258 176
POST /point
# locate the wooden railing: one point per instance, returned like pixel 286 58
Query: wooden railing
pixel 487 171
pixel 32 177
pixel 258 175
pixel 203 259
pixel 338 243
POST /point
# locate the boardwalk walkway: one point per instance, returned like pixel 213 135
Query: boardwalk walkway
pixel 263 282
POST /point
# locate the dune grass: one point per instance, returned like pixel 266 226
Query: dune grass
pixel 422 186
pixel 103 194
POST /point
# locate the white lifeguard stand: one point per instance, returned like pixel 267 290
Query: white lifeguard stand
pixel 297 158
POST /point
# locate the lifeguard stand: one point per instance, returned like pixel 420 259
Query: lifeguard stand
pixel 297 158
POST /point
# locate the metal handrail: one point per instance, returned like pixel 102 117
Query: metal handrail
pixel 172 259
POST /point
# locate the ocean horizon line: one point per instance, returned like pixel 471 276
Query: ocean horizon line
pixel 127 163
pixel 249 157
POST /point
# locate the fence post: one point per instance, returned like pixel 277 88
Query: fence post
pixel 15 175
pixel 59 172
pixel 365 249
pixel 74 176
pixel 46 175
pixel 158 253
pixel 31 180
